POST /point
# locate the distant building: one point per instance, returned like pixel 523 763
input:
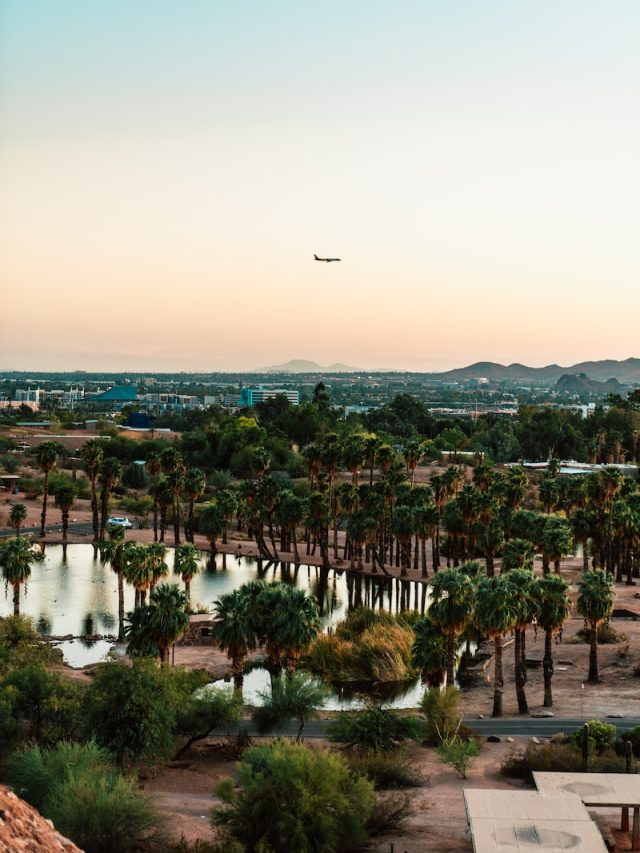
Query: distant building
pixel 251 396
pixel 111 400
pixel 168 402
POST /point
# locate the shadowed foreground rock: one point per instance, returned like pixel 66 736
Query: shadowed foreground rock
pixel 22 828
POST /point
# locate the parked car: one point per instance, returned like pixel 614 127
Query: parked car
pixel 120 521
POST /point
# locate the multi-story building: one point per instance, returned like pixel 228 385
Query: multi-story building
pixel 251 396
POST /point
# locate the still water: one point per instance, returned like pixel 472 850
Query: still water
pixel 78 594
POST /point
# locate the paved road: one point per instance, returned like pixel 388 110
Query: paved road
pixel 514 727
pixel 80 528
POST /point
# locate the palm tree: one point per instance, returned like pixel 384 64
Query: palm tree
pixel 110 472
pixel 227 503
pixel 187 566
pixel 292 623
pixel 233 630
pixel 430 651
pixel 212 523
pixel 174 468
pixel 290 513
pixel 557 540
pixel 353 455
pixel 494 616
pixel 194 486
pixel 451 609
pixel 92 455
pixel 154 467
pixel 554 606
pixel 137 571
pixel 517 554
pixel 17 515
pixel 595 603
pixel 64 498
pixel 413 452
pixel 47 455
pixel 158 568
pixel 113 552
pixel 525 604
pixel 583 522
pixel 16 558
pixel 154 628
pixel 371 446
pixel 169 618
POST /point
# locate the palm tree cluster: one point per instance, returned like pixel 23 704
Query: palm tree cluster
pixel 465 599
pixel 282 619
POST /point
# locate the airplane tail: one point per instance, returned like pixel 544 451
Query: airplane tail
pixel 316 258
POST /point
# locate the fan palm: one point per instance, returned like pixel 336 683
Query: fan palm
pixel 17 515
pixel 451 609
pixel 187 566
pixel 595 603
pixel 494 616
pixel 194 486
pixel 554 607
pixel 430 652
pixel 110 473
pixel 16 558
pixel 47 455
pixel 92 455
pixel 64 498
pixel 234 630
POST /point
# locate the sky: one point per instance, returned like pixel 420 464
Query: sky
pixel 168 168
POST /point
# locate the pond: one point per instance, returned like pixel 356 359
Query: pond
pixel 76 594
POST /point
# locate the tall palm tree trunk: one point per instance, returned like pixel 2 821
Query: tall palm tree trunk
pixel 45 495
pixel 594 676
pixel 94 509
pixel 120 608
pixel 498 680
pixel 547 669
pixel 16 598
pixel 523 707
pixel 451 658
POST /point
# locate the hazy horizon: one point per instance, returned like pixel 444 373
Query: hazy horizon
pixel 168 171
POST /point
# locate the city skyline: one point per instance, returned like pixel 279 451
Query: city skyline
pixel 169 172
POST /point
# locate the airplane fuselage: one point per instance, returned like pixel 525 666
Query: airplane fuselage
pixel 326 260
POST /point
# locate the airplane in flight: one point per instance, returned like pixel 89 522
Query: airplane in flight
pixel 326 260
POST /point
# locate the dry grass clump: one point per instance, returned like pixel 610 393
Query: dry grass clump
pixel 366 647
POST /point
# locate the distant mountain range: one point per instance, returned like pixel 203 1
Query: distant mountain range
pixel 579 383
pixel 300 365
pixel 625 372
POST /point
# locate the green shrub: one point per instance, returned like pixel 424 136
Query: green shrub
pixel 458 752
pixel 294 798
pixel 87 799
pixel 131 711
pixel 601 736
pixel 374 729
pixel 387 770
pixel 632 735
pixel 440 707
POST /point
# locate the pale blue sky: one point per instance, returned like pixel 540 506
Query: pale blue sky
pixel 169 169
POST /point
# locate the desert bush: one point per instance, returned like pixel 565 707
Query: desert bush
pixel 374 729
pixel 558 758
pixel 87 799
pixel 388 812
pixel 607 635
pixel 601 736
pixel 292 696
pixel 387 770
pixel 221 845
pixel 290 797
